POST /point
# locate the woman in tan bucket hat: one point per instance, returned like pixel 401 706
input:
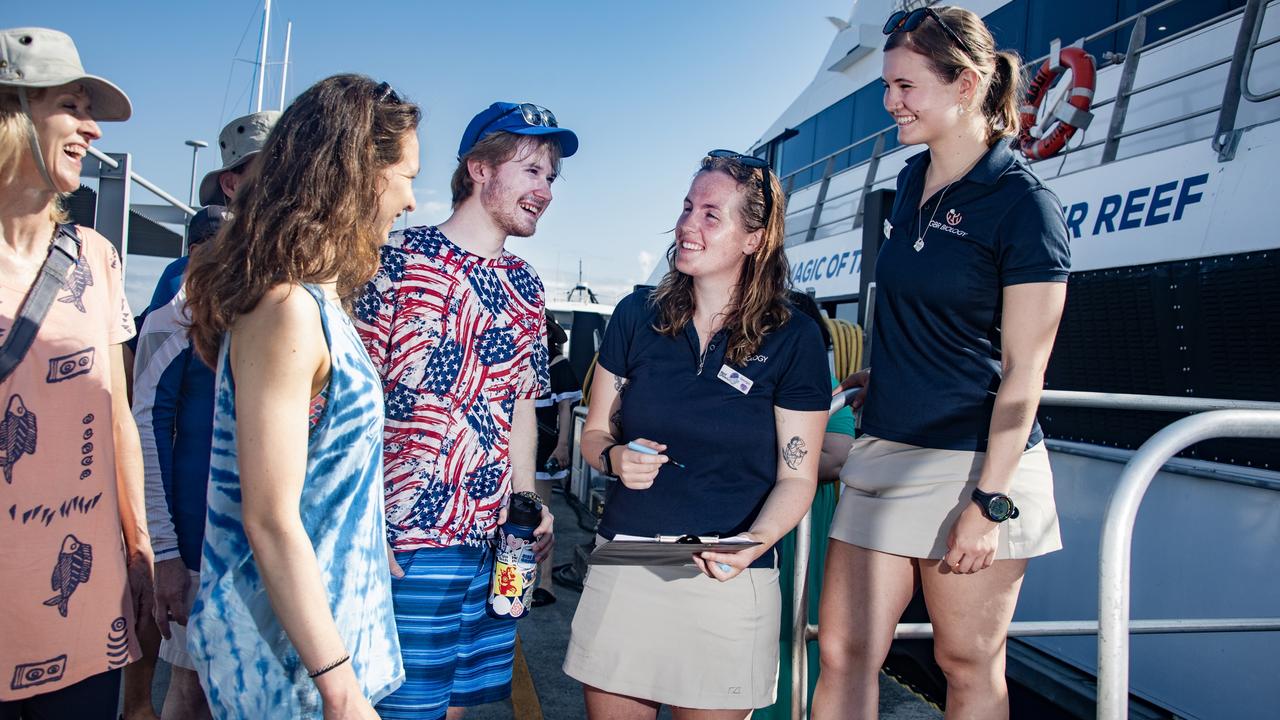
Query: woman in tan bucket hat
pixel 76 566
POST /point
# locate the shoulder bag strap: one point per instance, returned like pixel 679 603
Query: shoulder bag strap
pixel 63 253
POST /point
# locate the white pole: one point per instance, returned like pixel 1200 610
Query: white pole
pixel 284 71
pixel 262 54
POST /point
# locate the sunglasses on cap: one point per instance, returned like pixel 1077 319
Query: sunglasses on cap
pixel 756 163
pixel 903 21
pixel 534 116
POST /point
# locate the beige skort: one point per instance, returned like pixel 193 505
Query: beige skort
pixel 174 649
pixel 903 499
pixel 677 637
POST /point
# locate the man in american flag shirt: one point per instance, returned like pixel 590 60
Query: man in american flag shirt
pixel 454 324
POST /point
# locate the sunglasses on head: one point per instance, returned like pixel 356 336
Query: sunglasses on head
pixel 754 162
pixel 533 115
pixel 385 93
pixel 903 21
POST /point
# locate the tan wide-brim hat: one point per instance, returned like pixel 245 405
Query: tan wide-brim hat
pixel 239 141
pixel 43 58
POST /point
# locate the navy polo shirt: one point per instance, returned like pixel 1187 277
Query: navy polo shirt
pixel 936 340
pixel 727 439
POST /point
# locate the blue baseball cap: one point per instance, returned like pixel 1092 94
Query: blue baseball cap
pixel 518 118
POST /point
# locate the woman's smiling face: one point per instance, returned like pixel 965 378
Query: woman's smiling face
pixel 63 119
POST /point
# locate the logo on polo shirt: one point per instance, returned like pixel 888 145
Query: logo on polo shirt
pixel 953 219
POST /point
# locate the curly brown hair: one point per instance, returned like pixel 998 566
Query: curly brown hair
pixel 306 209
pixel 760 297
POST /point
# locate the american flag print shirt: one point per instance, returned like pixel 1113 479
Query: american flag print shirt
pixel 457 339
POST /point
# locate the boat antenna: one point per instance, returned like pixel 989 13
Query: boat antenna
pixel 284 67
pixel 582 290
pixel 262 54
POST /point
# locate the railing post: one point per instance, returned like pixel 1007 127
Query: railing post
pixel 869 181
pixel 1249 53
pixel 1226 137
pixel 1115 549
pixel 800 620
pixel 822 198
pixel 1137 37
pixel 111 218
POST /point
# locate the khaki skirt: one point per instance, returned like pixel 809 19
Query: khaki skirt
pixel 677 637
pixel 903 499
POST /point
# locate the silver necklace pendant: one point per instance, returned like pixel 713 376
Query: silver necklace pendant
pixel 919 244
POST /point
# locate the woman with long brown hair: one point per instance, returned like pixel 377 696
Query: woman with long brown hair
pixel 726 389
pixel 949 489
pixel 293 617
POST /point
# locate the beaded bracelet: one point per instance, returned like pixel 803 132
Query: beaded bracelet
pixel 317 673
pixel 531 495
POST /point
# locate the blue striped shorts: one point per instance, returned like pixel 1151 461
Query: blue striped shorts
pixel 455 654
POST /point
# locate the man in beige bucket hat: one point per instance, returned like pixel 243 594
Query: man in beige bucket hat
pixel 239 141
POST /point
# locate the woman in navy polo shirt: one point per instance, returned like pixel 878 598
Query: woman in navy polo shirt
pixel 950 488
pixel 714 370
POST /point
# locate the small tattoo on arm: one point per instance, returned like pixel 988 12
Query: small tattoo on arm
pixel 619 383
pixel 794 451
pixel 616 421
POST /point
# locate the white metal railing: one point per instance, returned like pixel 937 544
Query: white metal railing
pixel 1218 418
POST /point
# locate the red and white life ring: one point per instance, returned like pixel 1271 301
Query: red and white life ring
pixel 1067 116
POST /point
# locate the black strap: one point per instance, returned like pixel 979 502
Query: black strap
pixel 63 253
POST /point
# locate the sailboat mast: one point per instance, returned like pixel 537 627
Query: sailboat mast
pixel 262 54
pixel 284 72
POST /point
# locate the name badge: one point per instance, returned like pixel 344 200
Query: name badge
pixel 735 379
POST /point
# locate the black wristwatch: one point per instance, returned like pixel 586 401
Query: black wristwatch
pixel 996 507
pixel 606 463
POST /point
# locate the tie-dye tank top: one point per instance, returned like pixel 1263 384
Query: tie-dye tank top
pixel 246 663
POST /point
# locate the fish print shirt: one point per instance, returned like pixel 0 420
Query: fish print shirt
pixel 66 614
pixel 457 339
pixel 248 666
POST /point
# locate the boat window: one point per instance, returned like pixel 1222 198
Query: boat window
pixel 1069 21
pixel 834 130
pixel 798 152
pixel 1009 26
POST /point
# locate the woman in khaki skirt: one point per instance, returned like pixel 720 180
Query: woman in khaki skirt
pixel 714 371
pixel 949 490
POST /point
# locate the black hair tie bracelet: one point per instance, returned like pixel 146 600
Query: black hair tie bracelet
pixel 317 673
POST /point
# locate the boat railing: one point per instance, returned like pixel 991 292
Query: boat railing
pixel 111 214
pixel 1216 418
pixel 1225 138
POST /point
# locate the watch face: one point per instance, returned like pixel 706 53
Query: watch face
pixel 999 507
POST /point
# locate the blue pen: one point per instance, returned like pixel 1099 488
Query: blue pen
pixel 633 445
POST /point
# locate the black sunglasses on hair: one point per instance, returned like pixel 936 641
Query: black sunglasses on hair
pixel 903 21
pixel 385 93
pixel 751 161
pixel 533 115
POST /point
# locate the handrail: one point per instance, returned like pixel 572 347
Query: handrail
pixel 155 189
pixel 1248 59
pixel 1115 552
pixel 1226 418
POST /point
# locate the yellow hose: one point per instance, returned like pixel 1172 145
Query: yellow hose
pixel 846 340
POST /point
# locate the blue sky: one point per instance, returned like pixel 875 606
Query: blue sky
pixel 647 86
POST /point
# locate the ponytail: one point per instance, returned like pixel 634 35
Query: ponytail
pixel 1000 106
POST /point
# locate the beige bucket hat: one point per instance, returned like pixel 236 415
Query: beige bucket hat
pixel 239 141
pixel 41 58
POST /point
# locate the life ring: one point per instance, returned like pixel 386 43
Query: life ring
pixel 1067 116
